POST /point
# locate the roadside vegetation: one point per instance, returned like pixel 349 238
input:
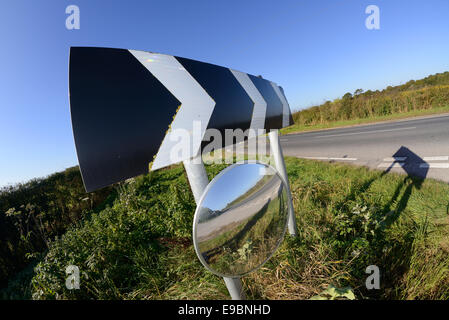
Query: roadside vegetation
pixel 140 246
pixel 421 97
pixel 133 240
pixel 32 214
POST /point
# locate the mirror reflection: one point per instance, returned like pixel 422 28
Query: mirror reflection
pixel 241 219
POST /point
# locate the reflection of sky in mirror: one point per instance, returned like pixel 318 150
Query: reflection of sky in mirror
pixel 233 183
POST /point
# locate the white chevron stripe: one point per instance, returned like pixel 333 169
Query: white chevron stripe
pixel 286 107
pixel 260 105
pixel 196 105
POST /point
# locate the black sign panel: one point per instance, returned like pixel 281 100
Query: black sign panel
pixel 124 104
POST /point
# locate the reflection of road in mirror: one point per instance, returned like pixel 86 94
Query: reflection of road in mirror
pixel 241 219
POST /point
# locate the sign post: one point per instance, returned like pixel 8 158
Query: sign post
pixel 276 149
pixel 198 180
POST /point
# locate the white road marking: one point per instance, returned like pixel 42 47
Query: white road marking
pixel 284 140
pixel 394 162
pixel 363 132
pixel 395 159
pixel 438 158
pixel 314 158
pixel 392 165
pixel 329 158
pixel 344 159
pixel 435 165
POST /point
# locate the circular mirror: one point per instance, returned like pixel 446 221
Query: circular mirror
pixel 241 219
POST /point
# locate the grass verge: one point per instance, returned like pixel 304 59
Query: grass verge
pixel 348 218
pixel 296 128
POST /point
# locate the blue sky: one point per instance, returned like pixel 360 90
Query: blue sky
pixel 316 50
pixel 233 184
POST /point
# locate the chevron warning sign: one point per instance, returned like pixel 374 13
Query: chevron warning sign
pixel 126 104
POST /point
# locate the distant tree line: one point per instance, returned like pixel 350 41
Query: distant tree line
pixel 428 93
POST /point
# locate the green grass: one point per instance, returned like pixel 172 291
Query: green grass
pixel 348 218
pixel 345 123
pixel 247 244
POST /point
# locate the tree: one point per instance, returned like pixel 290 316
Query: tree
pixel 347 96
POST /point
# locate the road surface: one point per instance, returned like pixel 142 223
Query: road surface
pixel 418 147
pixel 239 213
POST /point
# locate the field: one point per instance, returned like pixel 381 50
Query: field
pixel 140 247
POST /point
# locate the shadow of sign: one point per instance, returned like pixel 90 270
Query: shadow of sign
pixel 397 200
pixel 416 169
pixel 410 162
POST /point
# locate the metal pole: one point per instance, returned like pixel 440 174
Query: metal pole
pixel 198 180
pixel 235 289
pixel 196 173
pixel 276 149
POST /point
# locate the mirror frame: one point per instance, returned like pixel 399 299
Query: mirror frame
pixel 199 205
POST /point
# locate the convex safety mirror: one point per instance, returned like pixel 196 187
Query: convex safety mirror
pixel 241 219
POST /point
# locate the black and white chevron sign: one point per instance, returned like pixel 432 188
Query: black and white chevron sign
pixel 125 105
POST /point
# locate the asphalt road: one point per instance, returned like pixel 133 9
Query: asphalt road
pixel 418 147
pixel 240 212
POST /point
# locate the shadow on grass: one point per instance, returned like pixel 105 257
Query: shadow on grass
pixel 416 169
pixel 394 264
